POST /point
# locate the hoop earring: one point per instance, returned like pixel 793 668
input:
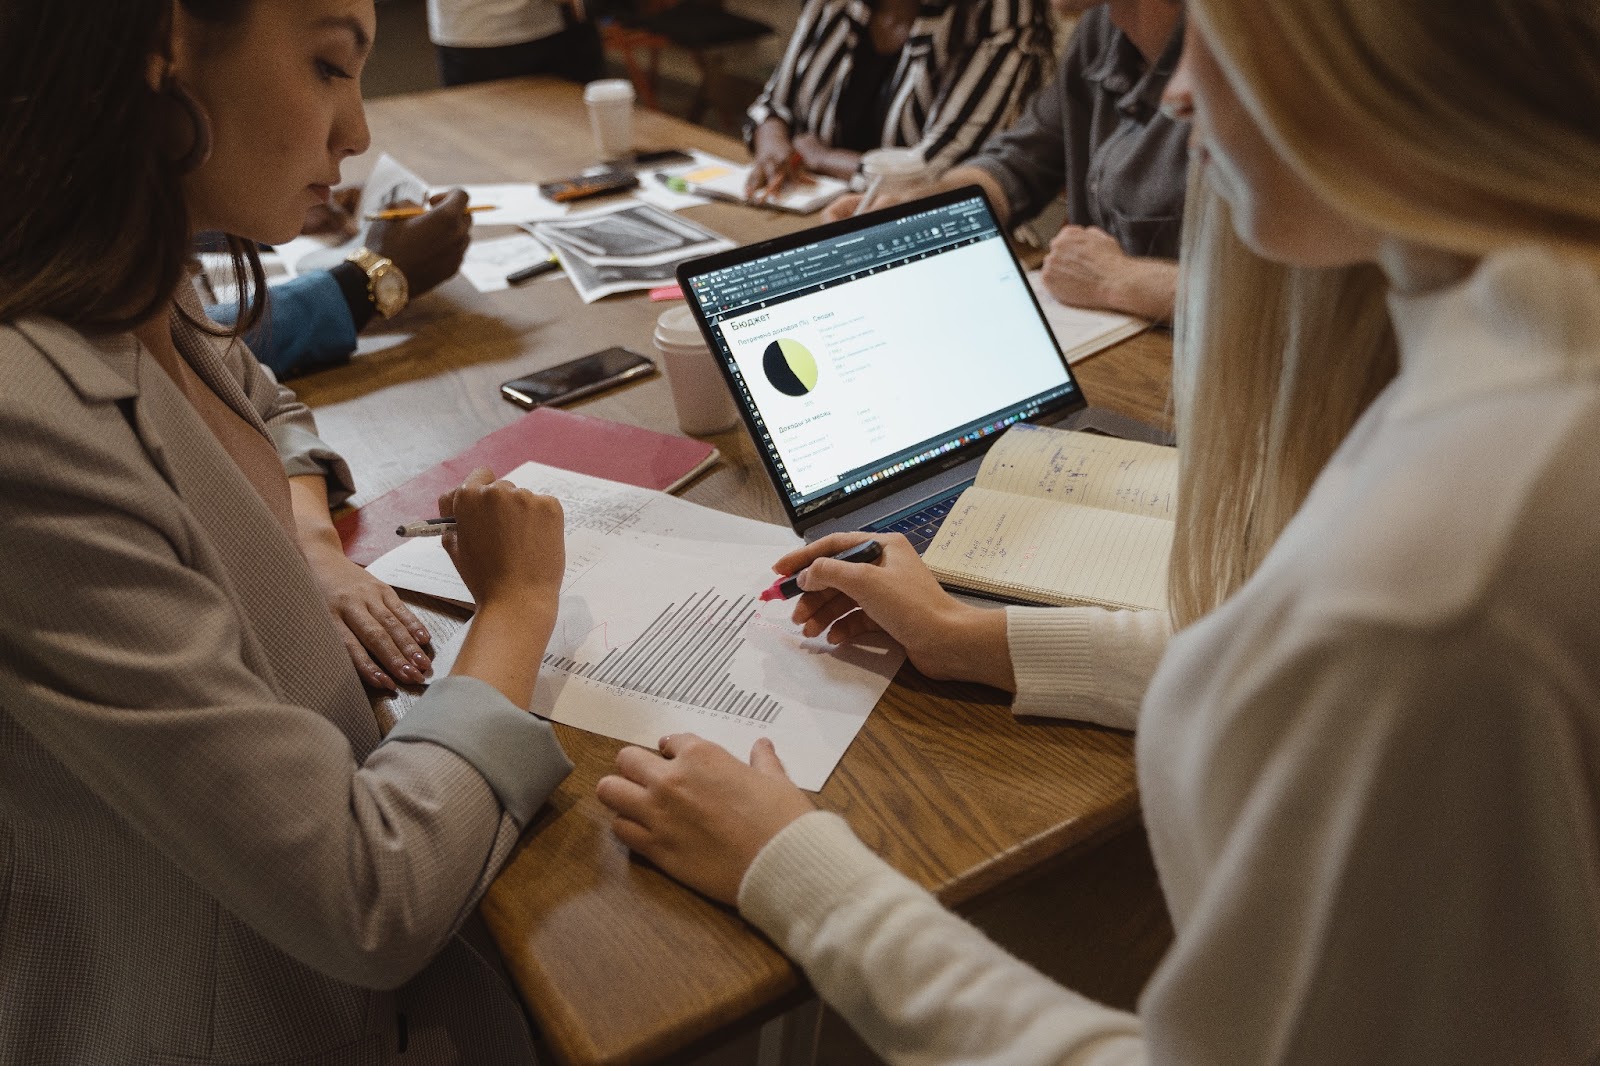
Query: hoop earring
pixel 199 149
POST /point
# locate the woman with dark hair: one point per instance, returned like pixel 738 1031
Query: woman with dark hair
pixel 207 853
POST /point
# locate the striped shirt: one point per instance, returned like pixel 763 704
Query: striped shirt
pixel 964 72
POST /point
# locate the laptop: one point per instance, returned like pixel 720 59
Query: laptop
pixel 875 360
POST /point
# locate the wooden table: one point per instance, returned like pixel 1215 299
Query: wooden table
pixel 616 962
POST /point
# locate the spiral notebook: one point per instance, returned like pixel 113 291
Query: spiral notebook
pixel 1058 517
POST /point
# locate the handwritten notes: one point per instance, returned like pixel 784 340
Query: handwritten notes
pixel 1059 517
pixel 1084 468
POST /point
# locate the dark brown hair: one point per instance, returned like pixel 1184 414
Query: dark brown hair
pixel 93 226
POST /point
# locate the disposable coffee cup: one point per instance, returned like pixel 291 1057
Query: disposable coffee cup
pixel 699 393
pixel 893 175
pixel 611 115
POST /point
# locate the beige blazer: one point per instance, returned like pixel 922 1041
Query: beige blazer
pixel 207 854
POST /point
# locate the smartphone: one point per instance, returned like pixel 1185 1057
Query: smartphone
pixel 578 377
pixel 666 157
pixel 601 182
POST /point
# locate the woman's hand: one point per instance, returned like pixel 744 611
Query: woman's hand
pixel 820 158
pixel 699 813
pixel 507 544
pixel 383 637
pixel 944 638
pixel 776 163
pixel 508 547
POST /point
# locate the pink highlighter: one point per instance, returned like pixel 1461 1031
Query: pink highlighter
pixel 786 588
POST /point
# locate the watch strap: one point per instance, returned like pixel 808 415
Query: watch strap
pixel 356 290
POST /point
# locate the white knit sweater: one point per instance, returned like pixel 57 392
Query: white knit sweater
pixel 1371 779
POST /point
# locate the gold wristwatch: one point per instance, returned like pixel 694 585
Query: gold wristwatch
pixel 386 283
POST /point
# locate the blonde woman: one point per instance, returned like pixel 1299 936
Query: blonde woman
pixel 1370 757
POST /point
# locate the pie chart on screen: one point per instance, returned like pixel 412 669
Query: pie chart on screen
pixel 789 367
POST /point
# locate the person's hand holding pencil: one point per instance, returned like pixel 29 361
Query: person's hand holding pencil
pixel 393 214
pixel 427 247
pixel 776 163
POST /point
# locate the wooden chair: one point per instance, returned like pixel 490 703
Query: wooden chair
pixel 639 30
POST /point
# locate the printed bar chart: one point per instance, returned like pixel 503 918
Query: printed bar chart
pixel 683 656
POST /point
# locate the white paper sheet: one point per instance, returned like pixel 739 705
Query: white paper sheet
pixel 592 506
pixel 650 642
pixel 514 203
pixel 652 191
pixel 489 262
pixel 727 178
pixel 632 234
pixel 391 183
pixel 293 251
pixel 625 246
pixel 1079 331
pixel 642 650
pixel 660 629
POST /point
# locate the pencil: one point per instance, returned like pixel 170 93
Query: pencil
pixel 428 527
pixel 390 214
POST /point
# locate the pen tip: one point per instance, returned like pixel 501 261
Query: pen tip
pixel 771 594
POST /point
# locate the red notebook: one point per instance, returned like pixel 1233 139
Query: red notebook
pixel 546 435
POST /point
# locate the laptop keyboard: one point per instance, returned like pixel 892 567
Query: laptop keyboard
pixel 921 521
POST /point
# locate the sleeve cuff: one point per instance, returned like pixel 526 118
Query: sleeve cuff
pixel 804 874
pixel 305 453
pixel 1018 199
pixel 516 752
pixel 352 283
pixel 1085 663
pixel 1050 655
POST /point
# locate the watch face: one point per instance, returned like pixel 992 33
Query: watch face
pixel 389 290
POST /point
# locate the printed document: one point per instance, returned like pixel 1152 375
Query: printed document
pixel 661 631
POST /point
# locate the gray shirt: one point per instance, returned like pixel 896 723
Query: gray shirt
pixel 1097 130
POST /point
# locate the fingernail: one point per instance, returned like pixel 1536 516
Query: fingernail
pixel 422 661
pixel 421 636
pixel 411 674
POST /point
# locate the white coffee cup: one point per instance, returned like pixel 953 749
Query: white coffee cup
pixel 611 115
pixel 699 391
pixel 893 175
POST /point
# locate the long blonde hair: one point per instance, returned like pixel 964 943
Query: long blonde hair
pixel 1424 121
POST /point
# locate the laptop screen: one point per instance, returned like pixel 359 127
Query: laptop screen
pixel 862 355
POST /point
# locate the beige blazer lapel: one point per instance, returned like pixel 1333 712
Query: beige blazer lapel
pixel 204 353
pixel 240 544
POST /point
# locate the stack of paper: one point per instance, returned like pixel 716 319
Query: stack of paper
pixel 625 246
